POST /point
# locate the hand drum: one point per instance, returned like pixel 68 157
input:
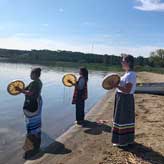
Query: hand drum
pixel 109 80
pixel 69 80
pixel 12 87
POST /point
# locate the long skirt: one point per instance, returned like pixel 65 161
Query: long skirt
pixel 80 113
pixel 33 126
pixel 123 119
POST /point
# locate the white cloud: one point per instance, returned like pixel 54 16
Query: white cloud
pixel 150 5
pixel 21 43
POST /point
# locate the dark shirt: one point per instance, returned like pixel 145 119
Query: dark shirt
pixel 31 103
pixel 81 88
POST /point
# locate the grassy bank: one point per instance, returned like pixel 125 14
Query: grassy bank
pixel 91 66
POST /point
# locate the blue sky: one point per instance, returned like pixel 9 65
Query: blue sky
pixel 98 26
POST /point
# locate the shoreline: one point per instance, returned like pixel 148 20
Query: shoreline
pixel 64 64
pixel 90 66
pixel 94 113
pixel 91 144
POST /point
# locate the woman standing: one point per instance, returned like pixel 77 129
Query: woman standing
pixel 124 109
pixel 80 95
pixel 32 110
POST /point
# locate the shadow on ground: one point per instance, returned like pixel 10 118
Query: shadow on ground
pixel 94 128
pixel 55 148
pixel 145 153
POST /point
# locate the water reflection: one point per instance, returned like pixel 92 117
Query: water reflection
pixel 58 112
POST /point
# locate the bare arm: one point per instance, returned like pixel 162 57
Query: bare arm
pixel 26 92
pixel 127 88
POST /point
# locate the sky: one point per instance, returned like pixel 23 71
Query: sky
pixel 92 26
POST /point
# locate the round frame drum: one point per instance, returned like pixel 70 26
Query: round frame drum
pixel 67 78
pixel 110 79
pixel 12 87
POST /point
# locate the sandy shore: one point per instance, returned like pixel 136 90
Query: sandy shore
pixel 91 144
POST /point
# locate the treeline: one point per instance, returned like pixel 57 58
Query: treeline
pixel 64 56
pixel 156 58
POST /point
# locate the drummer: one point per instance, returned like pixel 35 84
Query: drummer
pixel 32 110
pixel 80 95
pixel 124 109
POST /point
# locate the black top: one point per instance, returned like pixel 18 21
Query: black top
pixel 31 102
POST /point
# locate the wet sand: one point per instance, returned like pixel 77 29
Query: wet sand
pixel 91 144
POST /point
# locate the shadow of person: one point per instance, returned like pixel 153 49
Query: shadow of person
pixel 51 147
pixel 94 128
pixel 57 148
pixel 145 153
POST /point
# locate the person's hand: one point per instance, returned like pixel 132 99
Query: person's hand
pixel 69 81
pixel 113 85
pixel 18 89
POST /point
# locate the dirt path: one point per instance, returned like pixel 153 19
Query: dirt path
pixel 92 143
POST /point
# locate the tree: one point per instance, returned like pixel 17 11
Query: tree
pixel 140 61
pixel 157 58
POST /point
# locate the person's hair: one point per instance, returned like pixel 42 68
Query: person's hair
pixel 130 60
pixel 84 72
pixel 36 71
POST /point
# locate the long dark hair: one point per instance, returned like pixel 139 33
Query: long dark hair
pixel 130 60
pixel 84 72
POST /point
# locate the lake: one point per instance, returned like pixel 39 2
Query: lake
pixel 58 112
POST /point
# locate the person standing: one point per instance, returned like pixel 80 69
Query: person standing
pixel 80 95
pixel 32 110
pixel 123 132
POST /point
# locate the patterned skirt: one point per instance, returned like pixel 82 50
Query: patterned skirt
pixel 33 120
pixel 123 119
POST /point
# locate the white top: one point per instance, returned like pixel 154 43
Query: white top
pixel 128 77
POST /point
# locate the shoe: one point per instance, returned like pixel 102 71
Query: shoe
pixel 131 143
pixel 31 153
pixel 115 145
pixel 118 145
pixel 80 122
pixel 124 145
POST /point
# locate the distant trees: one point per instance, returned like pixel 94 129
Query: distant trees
pixel 156 58
pixel 140 61
pixel 111 59
pixel 65 56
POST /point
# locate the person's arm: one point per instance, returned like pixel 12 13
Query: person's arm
pixel 81 84
pixel 72 82
pixel 127 88
pixel 26 92
pixel 31 90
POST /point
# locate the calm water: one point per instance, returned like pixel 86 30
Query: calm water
pixel 58 113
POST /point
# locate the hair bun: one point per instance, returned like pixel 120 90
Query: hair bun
pixel 37 71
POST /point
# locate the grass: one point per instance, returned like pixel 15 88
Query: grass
pixel 150 69
pixel 90 66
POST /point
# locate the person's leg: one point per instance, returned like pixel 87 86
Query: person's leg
pixel 80 114
pixel 82 110
pixel 77 111
pixel 37 141
pixel 34 141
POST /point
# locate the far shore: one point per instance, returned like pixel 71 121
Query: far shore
pixel 90 66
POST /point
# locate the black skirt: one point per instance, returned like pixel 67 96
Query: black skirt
pixel 123 119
